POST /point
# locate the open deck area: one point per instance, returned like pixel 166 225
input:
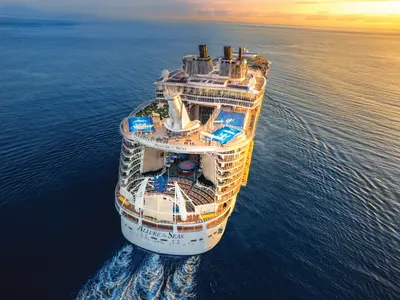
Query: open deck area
pixel 223 130
pixel 199 196
pixel 194 142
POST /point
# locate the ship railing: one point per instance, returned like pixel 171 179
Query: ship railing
pixel 132 150
pixel 128 163
pixel 128 177
pixel 227 93
pixel 203 193
pixel 128 172
pixel 226 174
pixel 234 178
pixel 130 156
pixel 228 195
pixel 231 166
pixel 230 175
pixel 227 188
pixel 167 140
pixel 173 140
pixel 229 158
pixel 232 159
pixel 194 224
pixel 217 100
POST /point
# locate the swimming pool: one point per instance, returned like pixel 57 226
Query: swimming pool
pixel 142 124
pixel 224 134
pixel 230 118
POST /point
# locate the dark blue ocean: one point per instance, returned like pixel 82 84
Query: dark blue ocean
pixel 319 218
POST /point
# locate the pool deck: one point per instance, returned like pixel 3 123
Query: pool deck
pixel 159 139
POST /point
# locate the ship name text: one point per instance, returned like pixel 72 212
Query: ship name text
pixel 168 235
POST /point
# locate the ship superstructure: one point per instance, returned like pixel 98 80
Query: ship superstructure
pixel 186 154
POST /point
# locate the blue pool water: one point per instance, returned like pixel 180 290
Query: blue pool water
pixel 225 134
pixel 230 118
pixel 319 218
pixel 140 124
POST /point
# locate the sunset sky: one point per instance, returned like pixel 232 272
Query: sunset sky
pixel 384 14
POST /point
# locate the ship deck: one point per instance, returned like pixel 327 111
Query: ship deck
pixel 193 142
pixel 199 195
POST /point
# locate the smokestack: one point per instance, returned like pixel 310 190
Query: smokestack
pixel 240 53
pixel 203 51
pixel 228 52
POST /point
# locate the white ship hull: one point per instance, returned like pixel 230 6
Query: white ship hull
pixel 186 154
pixel 169 243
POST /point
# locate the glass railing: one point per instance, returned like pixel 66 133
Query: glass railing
pixel 232 166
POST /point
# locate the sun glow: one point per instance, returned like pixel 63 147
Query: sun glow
pixel 373 8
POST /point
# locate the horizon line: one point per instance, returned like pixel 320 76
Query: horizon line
pixel 91 18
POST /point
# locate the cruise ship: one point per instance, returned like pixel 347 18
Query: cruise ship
pixel 186 154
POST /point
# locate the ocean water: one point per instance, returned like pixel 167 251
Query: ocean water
pixel 319 218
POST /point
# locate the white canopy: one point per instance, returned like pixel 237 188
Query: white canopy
pixel 126 194
pixel 139 197
pixel 180 201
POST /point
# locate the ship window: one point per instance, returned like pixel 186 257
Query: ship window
pixel 193 240
pixel 200 239
pixel 210 235
pixel 130 228
pixel 153 238
pixel 164 240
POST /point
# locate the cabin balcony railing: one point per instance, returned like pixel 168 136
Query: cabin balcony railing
pixel 127 143
pixel 131 155
pixel 228 195
pixel 233 155
pixel 230 160
pixel 232 166
pixel 227 188
pixel 229 174
pixel 127 148
pixel 226 182
pixel 126 161
pixel 132 171
pixel 125 167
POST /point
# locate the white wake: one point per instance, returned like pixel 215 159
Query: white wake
pixel 156 277
pixel 181 284
pixel 111 279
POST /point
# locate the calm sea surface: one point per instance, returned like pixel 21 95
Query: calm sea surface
pixel 319 218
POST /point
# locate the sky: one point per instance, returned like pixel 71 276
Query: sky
pixel 376 14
